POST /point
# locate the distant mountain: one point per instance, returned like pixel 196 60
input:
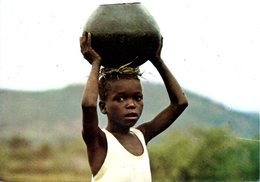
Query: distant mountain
pixel 56 114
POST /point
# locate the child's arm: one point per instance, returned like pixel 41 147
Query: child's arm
pixel 90 131
pixel 178 101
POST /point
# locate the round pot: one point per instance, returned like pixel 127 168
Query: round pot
pixel 123 33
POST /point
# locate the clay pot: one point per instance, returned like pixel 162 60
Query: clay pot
pixel 123 33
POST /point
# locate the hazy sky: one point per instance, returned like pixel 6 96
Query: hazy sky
pixel 211 46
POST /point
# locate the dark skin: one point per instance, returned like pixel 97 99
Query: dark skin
pixel 123 107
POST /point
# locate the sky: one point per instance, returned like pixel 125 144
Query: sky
pixel 211 46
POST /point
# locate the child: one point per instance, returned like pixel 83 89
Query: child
pixel 118 153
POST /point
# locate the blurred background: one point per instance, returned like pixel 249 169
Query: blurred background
pixel 212 47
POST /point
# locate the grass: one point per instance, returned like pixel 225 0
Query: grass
pixel 46 177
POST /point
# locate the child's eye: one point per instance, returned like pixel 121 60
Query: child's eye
pixel 120 99
pixel 139 98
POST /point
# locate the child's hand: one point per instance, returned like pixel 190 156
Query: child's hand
pixel 88 52
pixel 156 56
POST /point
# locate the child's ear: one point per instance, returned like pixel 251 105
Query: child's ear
pixel 102 106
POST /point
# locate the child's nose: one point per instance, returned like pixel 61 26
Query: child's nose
pixel 130 103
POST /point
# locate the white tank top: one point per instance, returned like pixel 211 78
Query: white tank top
pixel 122 166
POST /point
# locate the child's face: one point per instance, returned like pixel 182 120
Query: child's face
pixel 124 102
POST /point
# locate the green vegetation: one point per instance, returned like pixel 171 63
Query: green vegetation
pixel 199 155
pixel 205 155
pixel 22 161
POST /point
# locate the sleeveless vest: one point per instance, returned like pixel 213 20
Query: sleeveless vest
pixel 122 166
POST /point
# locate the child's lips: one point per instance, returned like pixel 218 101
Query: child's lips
pixel 131 116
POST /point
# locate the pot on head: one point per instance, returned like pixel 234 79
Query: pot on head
pixel 123 33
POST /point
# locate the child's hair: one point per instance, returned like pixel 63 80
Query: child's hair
pixel 112 74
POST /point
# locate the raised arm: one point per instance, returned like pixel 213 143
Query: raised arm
pixel 178 101
pixel 90 131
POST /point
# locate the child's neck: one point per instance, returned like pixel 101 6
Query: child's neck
pixel 118 130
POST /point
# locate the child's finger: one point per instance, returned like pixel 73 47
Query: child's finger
pixel 89 39
pixel 84 34
pixel 82 39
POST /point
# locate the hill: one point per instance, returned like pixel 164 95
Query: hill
pixel 56 114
